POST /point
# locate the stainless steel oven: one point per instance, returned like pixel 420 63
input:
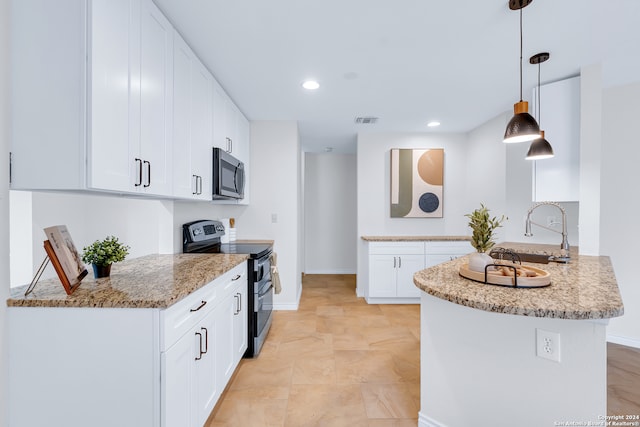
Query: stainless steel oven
pixel 204 237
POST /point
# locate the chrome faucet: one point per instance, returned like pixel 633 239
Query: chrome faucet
pixel 564 246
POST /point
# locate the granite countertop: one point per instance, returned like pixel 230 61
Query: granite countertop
pixel 152 281
pixel 585 288
pixel 415 238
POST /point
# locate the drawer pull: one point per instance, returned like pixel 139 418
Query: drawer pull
pixel 236 278
pixel 199 307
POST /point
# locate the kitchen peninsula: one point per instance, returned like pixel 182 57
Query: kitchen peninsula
pixel 154 344
pixel 501 356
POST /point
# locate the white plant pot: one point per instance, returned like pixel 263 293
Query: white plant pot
pixel 478 260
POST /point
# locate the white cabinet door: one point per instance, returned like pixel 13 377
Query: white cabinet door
pixel 382 275
pixel 156 101
pixel 240 319
pixel 207 388
pixel 115 102
pixel 177 365
pixel 408 265
pixel 220 133
pixel 224 340
pixel 558 178
pixel 192 124
pixel 202 128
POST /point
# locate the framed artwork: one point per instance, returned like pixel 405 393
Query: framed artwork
pixel 417 182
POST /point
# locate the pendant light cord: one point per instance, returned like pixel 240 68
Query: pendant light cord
pixel 539 102
pixel 520 54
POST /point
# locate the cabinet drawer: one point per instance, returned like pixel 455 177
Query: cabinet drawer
pixel 449 247
pixel 183 315
pixel 407 248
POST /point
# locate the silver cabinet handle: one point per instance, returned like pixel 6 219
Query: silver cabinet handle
pixel 236 278
pixel 399 262
pixel 394 262
pixel 199 184
pixel 195 182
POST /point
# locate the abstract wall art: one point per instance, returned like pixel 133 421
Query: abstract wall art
pixel 417 183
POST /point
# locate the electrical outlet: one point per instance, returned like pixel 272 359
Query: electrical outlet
pixel 274 218
pixel 548 345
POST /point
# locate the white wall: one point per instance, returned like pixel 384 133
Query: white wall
pixel 330 213
pixel 4 209
pixel 620 203
pixel 142 224
pixel 374 190
pixel 275 190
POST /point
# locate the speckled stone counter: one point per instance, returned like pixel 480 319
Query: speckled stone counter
pixel 152 281
pixel 586 288
pixel 415 238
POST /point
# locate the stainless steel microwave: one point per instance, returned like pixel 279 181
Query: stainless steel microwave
pixel 228 176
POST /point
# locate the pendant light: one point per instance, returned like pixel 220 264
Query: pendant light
pixel 540 147
pixel 522 126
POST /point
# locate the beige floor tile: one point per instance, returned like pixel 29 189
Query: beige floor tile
pixel 250 412
pixel 330 310
pixel 326 405
pixel 358 366
pixel 389 401
pixel 303 345
pixel 262 372
pixel 314 370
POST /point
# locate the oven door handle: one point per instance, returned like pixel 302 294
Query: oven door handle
pixel 267 291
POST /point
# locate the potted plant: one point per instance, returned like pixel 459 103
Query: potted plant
pixel 101 254
pixel 483 226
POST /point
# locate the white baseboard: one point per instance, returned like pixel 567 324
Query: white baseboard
pixel 425 421
pixel 629 342
pixel 332 271
pixel 289 306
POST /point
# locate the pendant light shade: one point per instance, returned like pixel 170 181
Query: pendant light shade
pixel 540 148
pixel 522 126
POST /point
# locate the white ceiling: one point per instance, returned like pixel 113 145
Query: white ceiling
pixel 404 61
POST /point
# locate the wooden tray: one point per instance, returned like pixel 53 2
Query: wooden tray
pixel 540 280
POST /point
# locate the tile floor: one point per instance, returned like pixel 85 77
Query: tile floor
pixel 338 361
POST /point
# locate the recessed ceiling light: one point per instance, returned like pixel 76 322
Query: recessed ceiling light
pixel 433 124
pixel 311 85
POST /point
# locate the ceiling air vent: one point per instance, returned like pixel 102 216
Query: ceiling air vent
pixel 367 120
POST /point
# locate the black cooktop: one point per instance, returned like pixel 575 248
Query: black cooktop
pixel 203 236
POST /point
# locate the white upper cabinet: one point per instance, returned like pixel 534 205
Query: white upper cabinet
pixel 558 178
pixel 229 125
pixel 115 101
pixel 100 74
pixel 103 100
pixel 156 101
pixel 192 124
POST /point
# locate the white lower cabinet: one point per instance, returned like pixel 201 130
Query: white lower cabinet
pixel 127 367
pixel 391 269
pixel 197 367
pixel 393 264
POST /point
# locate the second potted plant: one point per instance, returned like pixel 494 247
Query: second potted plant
pixel 483 227
pixel 101 254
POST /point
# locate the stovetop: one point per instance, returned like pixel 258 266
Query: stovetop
pixel 203 236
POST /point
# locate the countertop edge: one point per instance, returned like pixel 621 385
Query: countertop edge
pixel 415 238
